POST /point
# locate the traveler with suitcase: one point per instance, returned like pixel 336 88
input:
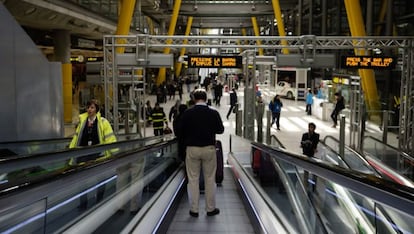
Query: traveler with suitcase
pixel 198 128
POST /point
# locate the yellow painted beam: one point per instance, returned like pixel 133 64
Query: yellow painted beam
pixel 280 24
pixel 178 65
pixel 67 92
pixel 162 72
pixel 357 27
pixel 244 33
pixel 381 17
pixel 150 26
pixel 257 34
pixel 126 11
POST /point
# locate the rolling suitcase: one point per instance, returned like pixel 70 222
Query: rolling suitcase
pixel 256 161
pixel 220 167
pixel 220 163
pixel 267 172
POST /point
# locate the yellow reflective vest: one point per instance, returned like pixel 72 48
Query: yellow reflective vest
pixel 105 133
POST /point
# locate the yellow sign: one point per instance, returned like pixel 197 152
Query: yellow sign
pixel 368 62
pixel 211 61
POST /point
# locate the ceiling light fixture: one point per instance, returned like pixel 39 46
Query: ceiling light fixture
pixel 30 11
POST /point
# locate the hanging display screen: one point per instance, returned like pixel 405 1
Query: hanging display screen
pixel 369 62
pixel 214 61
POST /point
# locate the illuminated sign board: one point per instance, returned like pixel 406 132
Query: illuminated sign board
pixel 340 80
pixel 368 62
pixel 214 61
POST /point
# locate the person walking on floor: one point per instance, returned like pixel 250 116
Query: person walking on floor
pixel 275 106
pixel 233 102
pixel 198 128
pixel 158 118
pixel 218 93
pixel 309 102
pixel 339 106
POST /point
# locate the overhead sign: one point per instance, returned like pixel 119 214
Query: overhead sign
pixel 340 80
pixel 297 60
pixel 214 61
pixel 368 62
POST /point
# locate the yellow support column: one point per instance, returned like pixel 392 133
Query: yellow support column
pixel 126 11
pixel 243 32
pixel 357 27
pixel 280 23
pixel 67 92
pixel 178 65
pixel 171 30
pixel 257 34
pixel 150 26
pixel 381 16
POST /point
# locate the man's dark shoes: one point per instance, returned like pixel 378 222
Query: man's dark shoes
pixel 194 214
pixel 214 212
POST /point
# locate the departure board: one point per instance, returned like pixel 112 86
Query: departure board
pixel 368 62
pixel 214 61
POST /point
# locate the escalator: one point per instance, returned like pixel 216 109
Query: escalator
pixel 376 151
pixel 10 149
pixel 345 201
pixel 29 147
pixel 382 160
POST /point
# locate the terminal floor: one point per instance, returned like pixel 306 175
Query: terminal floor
pixel 293 121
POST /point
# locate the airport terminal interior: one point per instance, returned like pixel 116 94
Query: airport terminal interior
pixel 128 55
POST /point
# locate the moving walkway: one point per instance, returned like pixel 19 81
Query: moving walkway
pixel 51 204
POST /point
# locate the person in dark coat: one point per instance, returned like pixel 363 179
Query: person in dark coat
pixel 233 102
pixel 158 118
pixel 275 106
pixel 310 140
pixel 198 128
pixel 309 144
pixel 339 106
pixel 218 93
pixel 176 123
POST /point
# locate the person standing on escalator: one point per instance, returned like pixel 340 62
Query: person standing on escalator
pixel 309 145
pixel 92 129
pixel 198 128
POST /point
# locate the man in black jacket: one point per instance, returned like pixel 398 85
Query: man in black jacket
pixel 310 141
pixel 309 144
pixel 233 102
pixel 198 128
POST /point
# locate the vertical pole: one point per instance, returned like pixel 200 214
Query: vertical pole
pixel 239 113
pixel 385 127
pixel 268 117
pixel 342 137
pixel 259 118
pixel 324 17
pixel 62 54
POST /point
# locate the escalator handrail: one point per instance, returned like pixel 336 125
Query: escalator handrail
pixel 273 136
pixel 54 141
pixel 403 154
pixel 383 191
pixel 268 218
pixel 37 141
pixel 354 153
pixel 64 184
pixel 21 162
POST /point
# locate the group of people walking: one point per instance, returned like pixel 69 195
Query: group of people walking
pixel 195 124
